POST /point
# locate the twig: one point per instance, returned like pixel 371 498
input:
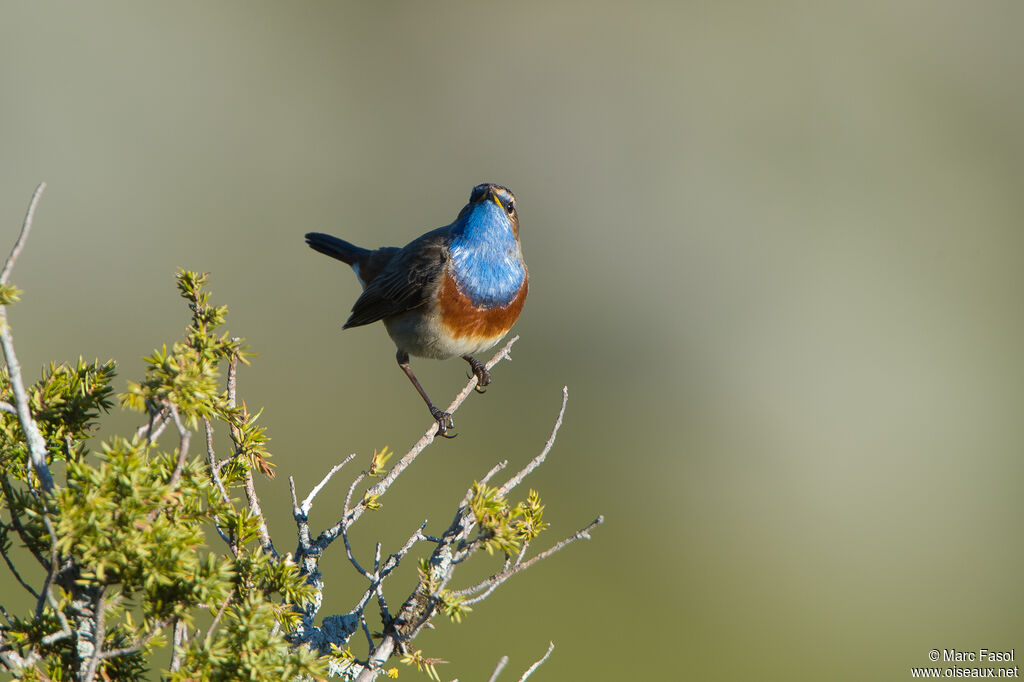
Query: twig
pixel 393 560
pixel 233 381
pixel 154 426
pixel 493 472
pixel 220 613
pixel 138 644
pixel 366 629
pixel 344 527
pixel 17 576
pixel 211 459
pixel 296 511
pixel 99 633
pixel 307 503
pixel 351 558
pixel 26 540
pixel 533 668
pixel 250 485
pixel 26 225
pixel 36 444
pixel 498 668
pixel 47 590
pixel 519 567
pixel 185 436
pixel 51 571
pixel 178 636
pixel 7 407
pixel 539 459
pixel 382 571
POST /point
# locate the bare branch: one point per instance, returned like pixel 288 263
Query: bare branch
pixel 392 561
pixel 251 497
pixel 36 444
pixel 211 459
pixel 26 225
pixel 14 662
pixel 138 644
pixel 382 571
pixel 220 613
pixel 185 437
pixel 366 630
pixel 257 510
pixel 99 633
pixel 533 668
pixel 539 459
pixel 178 637
pixel 307 503
pixel 351 558
pixel 233 381
pixel 17 576
pixel 499 578
pixel 47 591
pixel 154 426
pixel 492 473
pixel 296 511
pixel 498 668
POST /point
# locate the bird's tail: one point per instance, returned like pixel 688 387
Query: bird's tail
pixel 336 248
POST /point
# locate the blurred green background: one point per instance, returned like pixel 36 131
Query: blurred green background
pixel 775 253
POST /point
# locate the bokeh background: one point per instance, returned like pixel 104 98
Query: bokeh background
pixel 775 254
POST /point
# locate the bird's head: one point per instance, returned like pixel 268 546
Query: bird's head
pixel 492 205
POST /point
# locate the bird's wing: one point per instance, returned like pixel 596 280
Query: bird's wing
pixel 406 282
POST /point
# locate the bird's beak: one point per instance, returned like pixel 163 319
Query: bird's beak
pixel 492 195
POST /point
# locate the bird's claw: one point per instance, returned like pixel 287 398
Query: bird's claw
pixel 480 371
pixel 444 422
pixel 479 388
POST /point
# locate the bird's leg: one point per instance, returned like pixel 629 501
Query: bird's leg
pixel 483 377
pixel 444 419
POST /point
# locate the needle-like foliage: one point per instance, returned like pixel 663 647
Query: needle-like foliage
pixel 152 554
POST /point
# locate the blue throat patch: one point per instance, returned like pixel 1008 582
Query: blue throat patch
pixel 485 257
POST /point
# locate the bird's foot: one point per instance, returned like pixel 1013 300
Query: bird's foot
pixel 483 376
pixel 444 422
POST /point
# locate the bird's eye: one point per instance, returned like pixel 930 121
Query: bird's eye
pixel 510 206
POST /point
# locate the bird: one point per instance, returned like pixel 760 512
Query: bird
pixel 452 292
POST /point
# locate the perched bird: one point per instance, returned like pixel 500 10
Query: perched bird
pixel 455 291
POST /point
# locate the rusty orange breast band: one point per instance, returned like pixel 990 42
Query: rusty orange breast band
pixel 463 320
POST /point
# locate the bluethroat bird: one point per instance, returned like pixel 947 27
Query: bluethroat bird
pixel 455 291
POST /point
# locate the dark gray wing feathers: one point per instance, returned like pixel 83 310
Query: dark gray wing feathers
pixel 409 278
